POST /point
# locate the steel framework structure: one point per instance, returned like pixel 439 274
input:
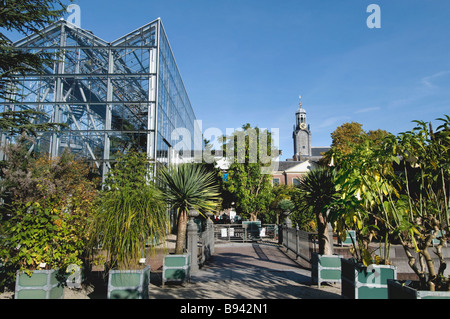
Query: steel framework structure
pixel 112 96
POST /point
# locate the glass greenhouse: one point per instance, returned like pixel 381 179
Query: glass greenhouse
pixel 112 96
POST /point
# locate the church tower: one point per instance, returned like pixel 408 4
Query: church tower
pixel 301 135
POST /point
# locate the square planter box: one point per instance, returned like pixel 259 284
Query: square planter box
pixel 397 290
pixel 129 284
pixel 176 268
pixel 42 284
pixel 325 268
pixel 361 282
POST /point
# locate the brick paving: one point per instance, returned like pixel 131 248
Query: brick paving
pixel 248 271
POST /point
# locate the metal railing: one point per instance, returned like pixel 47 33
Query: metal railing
pixel 302 243
pixel 246 232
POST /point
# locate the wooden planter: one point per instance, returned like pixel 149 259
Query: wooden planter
pixel 398 290
pixel 42 284
pixel 361 282
pixel 176 268
pixel 325 268
pixel 129 284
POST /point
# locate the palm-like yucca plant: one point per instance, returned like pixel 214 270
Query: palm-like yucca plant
pixel 319 191
pixel 186 187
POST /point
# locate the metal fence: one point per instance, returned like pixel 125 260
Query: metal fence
pixel 245 232
pixel 302 243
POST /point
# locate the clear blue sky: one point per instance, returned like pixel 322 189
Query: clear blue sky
pixel 249 60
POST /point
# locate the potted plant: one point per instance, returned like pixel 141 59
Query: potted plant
pixel 356 214
pixel 318 192
pixel 44 223
pixel 401 185
pixel 130 210
pixel 420 214
pixel 186 187
pixel 42 241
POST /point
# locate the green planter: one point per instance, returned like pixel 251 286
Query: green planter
pixel 129 284
pixel 399 290
pixel 42 284
pixel 176 268
pixel 325 268
pixel 361 282
pixel 253 229
pixel 351 234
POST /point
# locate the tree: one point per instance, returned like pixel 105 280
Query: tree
pixel 247 181
pixel 400 189
pixel 46 211
pixel 415 206
pixel 130 210
pixel 303 215
pixel 319 191
pixel 346 136
pixel 278 206
pixel 25 17
pixel 359 173
pixel 28 178
pixel 186 187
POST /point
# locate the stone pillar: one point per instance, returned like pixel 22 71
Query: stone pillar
pixel 330 238
pixel 192 240
pixel 210 235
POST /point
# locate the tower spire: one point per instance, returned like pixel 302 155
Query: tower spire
pixel 302 133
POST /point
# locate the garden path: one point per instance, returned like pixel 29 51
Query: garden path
pixel 248 271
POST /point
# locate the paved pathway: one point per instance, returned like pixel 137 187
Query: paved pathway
pixel 248 271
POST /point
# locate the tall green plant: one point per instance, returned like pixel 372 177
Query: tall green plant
pixel 186 187
pixel 47 205
pixel 303 215
pixel 130 211
pixel 318 187
pixel 363 173
pixel 418 209
pixel 24 17
pixel 402 188
pixel 251 152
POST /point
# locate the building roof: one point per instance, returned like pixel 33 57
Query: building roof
pixel 283 166
pixel 317 151
pixel 295 166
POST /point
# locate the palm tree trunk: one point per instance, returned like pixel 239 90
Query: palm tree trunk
pixel 323 234
pixel 181 233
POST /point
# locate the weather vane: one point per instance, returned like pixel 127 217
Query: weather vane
pixel 300 103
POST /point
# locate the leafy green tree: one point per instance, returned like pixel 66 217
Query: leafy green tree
pixel 415 204
pixel 247 181
pixel 281 193
pixel 45 216
pixel 130 210
pixel 25 17
pixel 400 186
pixel 359 172
pixel 186 187
pixel 303 215
pixel 347 136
